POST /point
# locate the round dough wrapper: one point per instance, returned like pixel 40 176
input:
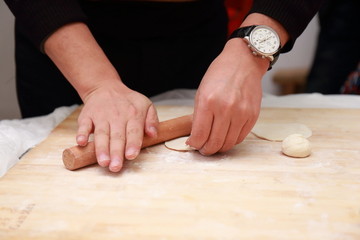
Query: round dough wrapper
pixel 178 144
pixel 279 131
pixel 296 145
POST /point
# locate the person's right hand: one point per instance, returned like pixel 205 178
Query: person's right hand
pixel 119 117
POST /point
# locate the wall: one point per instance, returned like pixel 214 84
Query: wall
pixel 8 102
pixel 301 56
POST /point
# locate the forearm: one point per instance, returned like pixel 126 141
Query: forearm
pixel 76 53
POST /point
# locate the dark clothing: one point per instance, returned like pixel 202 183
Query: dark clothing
pixel 152 45
pixel 39 18
pixel 155 46
pixel 338 52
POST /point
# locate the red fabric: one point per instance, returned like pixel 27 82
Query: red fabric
pixel 237 10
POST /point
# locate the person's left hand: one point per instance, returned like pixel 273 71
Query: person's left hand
pixel 227 103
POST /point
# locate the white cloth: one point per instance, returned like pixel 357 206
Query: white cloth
pixel 313 100
pixel 178 97
pixel 185 97
pixel 17 136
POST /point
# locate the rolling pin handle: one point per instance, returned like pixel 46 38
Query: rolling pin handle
pixel 79 156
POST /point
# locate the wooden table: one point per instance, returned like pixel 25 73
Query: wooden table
pixel 250 192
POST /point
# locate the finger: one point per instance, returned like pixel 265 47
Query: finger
pixel 232 136
pixel 117 145
pixel 134 138
pixel 201 128
pixel 101 140
pixel 249 124
pixel 84 130
pixel 216 140
pixel 151 122
pixel 245 131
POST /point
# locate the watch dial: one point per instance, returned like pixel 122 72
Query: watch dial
pixel 265 40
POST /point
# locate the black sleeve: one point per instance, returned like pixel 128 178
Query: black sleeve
pixel 294 15
pixel 40 18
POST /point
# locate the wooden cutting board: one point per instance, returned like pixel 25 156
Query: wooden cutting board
pixel 250 192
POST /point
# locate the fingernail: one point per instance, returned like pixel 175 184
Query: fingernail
pixel 81 139
pixel 202 153
pixel 115 165
pixel 153 131
pixel 187 143
pixel 131 153
pixel 104 160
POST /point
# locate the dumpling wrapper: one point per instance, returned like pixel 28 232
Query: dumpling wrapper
pixel 279 131
pixel 178 144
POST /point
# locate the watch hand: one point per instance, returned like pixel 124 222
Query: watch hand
pixel 265 39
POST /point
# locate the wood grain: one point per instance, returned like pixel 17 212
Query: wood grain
pixel 250 192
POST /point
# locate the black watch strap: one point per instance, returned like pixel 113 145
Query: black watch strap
pixel 242 32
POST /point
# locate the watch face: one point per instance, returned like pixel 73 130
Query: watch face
pixel 265 40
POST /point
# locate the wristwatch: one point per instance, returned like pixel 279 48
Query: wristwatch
pixel 262 40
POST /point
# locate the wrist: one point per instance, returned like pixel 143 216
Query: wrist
pixel 238 48
pixel 101 85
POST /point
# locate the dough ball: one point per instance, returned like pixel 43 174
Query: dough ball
pixel 296 145
pixel 279 131
pixel 179 144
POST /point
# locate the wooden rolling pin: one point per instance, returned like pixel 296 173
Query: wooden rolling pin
pixel 77 157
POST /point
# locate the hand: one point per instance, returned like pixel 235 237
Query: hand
pixel 227 103
pixel 116 115
pixel 119 117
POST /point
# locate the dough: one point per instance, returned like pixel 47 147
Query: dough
pixel 279 131
pixel 178 144
pixel 296 145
